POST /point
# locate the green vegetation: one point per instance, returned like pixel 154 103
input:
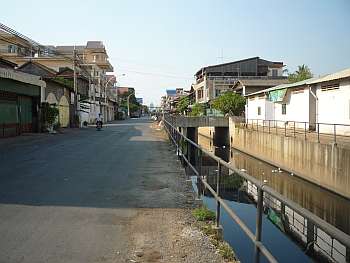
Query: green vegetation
pixel 183 104
pixel 234 181
pixel 197 110
pixel 66 82
pixel 205 219
pixel 226 251
pixel 49 114
pixel 203 214
pixel 229 103
pixel 134 105
pixel 303 72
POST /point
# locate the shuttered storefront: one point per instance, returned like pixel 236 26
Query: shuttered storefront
pixel 9 119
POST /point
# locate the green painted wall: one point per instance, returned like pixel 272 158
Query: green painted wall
pixel 8 112
pixel 21 88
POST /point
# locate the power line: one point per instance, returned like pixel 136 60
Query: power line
pixel 157 74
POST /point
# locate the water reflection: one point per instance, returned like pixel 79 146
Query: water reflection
pixel 286 223
pixel 331 207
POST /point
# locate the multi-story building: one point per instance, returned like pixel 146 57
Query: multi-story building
pixel 211 81
pixel 171 99
pixel 95 61
pixel 88 61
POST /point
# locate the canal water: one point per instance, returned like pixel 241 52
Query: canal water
pixel 285 232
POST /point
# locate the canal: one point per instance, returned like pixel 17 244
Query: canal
pixel 286 233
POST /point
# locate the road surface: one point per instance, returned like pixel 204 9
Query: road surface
pixel 69 197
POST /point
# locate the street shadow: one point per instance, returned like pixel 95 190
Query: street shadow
pixel 122 166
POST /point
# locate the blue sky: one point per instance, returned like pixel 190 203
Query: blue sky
pixel 160 44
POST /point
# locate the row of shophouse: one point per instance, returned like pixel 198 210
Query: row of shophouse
pixel 316 103
pixel 72 78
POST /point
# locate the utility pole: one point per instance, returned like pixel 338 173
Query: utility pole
pixel 75 83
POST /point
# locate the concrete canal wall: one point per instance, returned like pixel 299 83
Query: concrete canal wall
pixel 324 164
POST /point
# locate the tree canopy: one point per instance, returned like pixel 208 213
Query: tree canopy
pixel 183 104
pixel 197 109
pixel 134 105
pixel 303 72
pixel 229 103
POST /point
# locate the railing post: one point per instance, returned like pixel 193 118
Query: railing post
pixel 335 133
pixel 258 229
pixel 294 129
pixel 188 153
pixel 305 131
pixel 285 129
pixel 276 127
pixel 263 124
pixel 199 162
pixel 177 144
pixel 318 132
pixel 310 236
pixel 269 125
pixel 259 213
pixel 218 206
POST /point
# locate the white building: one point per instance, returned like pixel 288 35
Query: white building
pixel 317 102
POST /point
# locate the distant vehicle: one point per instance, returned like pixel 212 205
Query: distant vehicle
pixel 135 114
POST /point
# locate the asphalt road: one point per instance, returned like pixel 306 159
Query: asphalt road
pixel 68 197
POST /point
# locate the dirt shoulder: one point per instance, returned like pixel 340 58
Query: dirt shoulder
pixel 170 234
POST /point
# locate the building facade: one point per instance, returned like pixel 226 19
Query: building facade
pixel 211 81
pixel 20 97
pixel 316 103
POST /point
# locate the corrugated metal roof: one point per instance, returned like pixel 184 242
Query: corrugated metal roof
pixel 284 86
pixel 338 75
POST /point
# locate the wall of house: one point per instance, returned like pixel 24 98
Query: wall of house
pixel 279 71
pixel 201 85
pixel 324 164
pixel 252 107
pixel 334 107
pixel 297 108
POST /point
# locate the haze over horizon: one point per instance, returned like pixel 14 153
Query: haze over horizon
pixel 161 45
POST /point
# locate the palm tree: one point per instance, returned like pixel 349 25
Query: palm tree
pixel 303 72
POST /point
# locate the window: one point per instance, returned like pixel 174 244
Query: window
pixel 274 73
pixel 332 86
pixel 200 94
pixel 217 92
pixel 11 49
pixel 259 110
pixel 284 109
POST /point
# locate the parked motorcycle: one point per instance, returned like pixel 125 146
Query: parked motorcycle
pixel 98 125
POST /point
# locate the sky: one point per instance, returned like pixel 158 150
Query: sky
pixel 160 44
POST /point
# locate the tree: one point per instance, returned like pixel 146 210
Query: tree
pixel 197 110
pixel 134 105
pixel 229 103
pixel 303 72
pixel 183 104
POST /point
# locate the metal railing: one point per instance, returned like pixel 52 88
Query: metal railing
pixel 262 190
pixel 328 132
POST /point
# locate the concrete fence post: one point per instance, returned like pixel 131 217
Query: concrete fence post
pixel 218 206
